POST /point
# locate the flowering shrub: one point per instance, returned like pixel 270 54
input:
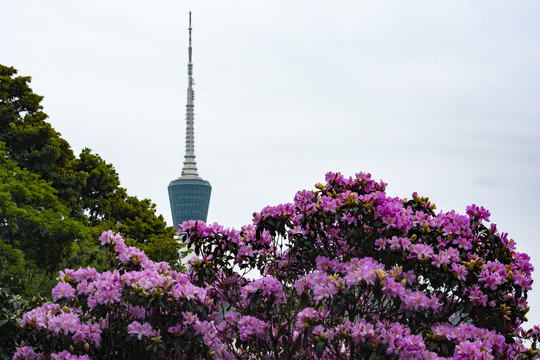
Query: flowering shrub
pixel 344 272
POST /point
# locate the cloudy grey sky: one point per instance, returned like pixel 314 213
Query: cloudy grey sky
pixel 439 97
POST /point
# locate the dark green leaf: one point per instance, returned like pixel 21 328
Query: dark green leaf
pixel 319 348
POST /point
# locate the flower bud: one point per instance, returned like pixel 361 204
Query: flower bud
pixel 135 259
pixel 195 262
pixel 510 275
pixel 157 339
pixel 156 293
pixel 380 274
pixel 340 284
pixel 320 336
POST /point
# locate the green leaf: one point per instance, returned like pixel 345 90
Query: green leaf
pixel 499 323
pixel 319 348
pixel 432 346
pixel 444 349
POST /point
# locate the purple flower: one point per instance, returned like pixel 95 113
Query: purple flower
pixel 478 212
pixel 140 330
pixel 25 353
pixel 420 251
pixel 523 280
pixel 63 323
pixel 493 274
pixel 63 290
pixel 306 317
pixel 392 288
pixel 459 271
pixel 318 283
pixel 269 286
pixel 106 237
pixel 250 327
pixel 477 297
pixel 66 355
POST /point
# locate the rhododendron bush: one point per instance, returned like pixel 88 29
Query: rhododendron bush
pixel 343 272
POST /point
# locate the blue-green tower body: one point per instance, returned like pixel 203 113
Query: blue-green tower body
pixel 189 195
pixel 190 199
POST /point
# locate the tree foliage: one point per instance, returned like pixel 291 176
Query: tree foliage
pixel 12 308
pixel 108 206
pixel 346 272
pixel 53 202
pixel 32 219
pixel 21 276
pixel 31 141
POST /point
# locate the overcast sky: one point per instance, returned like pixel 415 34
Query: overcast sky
pixel 438 97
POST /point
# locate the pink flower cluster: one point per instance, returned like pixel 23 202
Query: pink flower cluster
pixel 252 328
pixel 381 258
pixel 493 274
pixel 27 353
pixel 95 302
pixel 58 320
pixel 346 272
pixel 139 330
pixel 268 287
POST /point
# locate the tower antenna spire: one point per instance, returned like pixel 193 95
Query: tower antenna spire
pixel 190 36
pixel 189 195
pixel 190 166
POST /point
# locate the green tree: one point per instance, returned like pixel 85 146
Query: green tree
pixel 107 206
pixel 87 185
pixel 12 307
pixel 32 142
pixel 21 276
pixel 100 189
pixel 144 229
pixel 32 219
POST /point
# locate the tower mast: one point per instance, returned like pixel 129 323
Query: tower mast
pixel 189 195
pixel 190 165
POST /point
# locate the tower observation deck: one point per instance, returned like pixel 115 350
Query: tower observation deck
pixel 189 195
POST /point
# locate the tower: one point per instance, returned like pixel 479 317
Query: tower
pixel 189 195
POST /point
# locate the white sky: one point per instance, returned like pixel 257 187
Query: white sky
pixel 439 97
